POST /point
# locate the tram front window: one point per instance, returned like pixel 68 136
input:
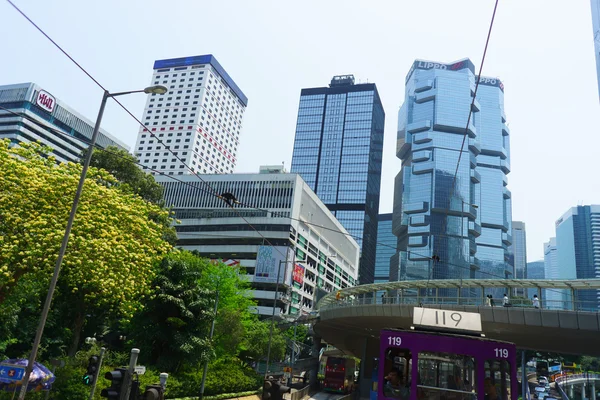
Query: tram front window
pixel 497 380
pixel 397 373
pixel 446 376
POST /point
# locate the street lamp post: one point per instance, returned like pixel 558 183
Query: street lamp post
pixel 273 314
pixel 63 248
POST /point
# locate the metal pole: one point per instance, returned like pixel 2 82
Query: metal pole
pixel 102 350
pixel 129 374
pixel 273 317
pixel 212 331
pixel 63 249
pixel 293 356
pixel 524 382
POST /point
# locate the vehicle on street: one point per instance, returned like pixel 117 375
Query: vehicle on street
pixel 540 392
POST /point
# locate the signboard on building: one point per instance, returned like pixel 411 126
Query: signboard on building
pixel 270 260
pixel 45 101
pixel 298 273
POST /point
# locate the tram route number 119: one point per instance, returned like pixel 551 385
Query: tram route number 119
pixel 440 318
pixel 501 353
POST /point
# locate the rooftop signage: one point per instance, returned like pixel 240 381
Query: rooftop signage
pixel 45 101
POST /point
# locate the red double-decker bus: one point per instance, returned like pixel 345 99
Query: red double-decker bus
pixel 339 374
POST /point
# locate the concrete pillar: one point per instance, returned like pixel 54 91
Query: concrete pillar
pixel 366 367
pixel 583 394
pixel 571 391
pixel 314 370
pixel 593 387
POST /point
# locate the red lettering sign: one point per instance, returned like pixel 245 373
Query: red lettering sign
pixel 45 100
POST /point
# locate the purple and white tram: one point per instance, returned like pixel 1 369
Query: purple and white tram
pixel 416 365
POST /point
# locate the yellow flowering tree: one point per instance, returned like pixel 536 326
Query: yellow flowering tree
pixel 116 240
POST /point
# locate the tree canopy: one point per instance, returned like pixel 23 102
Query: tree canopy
pixel 124 166
pixel 116 238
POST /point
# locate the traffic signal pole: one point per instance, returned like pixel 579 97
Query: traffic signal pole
pixel 102 350
pixel 129 374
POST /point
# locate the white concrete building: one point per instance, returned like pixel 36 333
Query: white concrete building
pixel 199 118
pixel 31 114
pixel 310 247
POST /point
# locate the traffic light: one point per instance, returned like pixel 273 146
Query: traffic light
pixel 273 390
pixel 154 392
pixel 116 384
pixel 92 367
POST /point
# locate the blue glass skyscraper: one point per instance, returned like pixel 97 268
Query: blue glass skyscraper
pixel 338 152
pixel 578 244
pixel 386 248
pixel 464 232
pixel 518 253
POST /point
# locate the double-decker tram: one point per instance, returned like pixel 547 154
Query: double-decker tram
pixel 445 357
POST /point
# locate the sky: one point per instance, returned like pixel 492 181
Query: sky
pixel 542 50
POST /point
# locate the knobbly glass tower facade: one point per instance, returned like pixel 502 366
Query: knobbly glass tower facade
pixel 446 233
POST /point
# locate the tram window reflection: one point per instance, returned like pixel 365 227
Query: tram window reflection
pixel 397 373
pixel 497 380
pixel 446 376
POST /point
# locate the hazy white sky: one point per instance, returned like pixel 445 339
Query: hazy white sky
pixel 541 49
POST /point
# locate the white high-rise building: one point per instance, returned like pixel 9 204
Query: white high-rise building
pixel 199 118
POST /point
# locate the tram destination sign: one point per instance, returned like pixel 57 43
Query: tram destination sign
pixel 447 320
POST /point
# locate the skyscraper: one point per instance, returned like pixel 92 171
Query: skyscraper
pixel 40 117
pixel 386 248
pixel 578 243
pixel 338 151
pixel 518 251
pixel 444 231
pixel 535 270
pixel 596 26
pixel 554 298
pixel 199 118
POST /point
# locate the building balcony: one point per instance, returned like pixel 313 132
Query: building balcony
pixel 475 146
pixel 425 96
pixel 472 246
pixel 475 176
pixel 422 155
pixel 505 130
pixel 474 262
pixel 418 220
pixel 419 126
pixel 422 86
pixel 417 241
pixel 476 107
pixel 474 229
pixel 414 208
pixel 505 166
pixel 503 115
pixel 422 137
pixel 506 193
pixel 506 238
pixel 423 167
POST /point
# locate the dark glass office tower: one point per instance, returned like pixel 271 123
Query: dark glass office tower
pixel 338 152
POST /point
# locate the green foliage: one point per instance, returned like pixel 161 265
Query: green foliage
pixel 173 327
pixel 224 376
pixel 256 342
pixel 123 166
pixel 115 241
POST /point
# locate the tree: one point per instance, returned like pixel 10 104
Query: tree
pixel 116 238
pixel 124 166
pixel 234 316
pixel 256 342
pixel 173 327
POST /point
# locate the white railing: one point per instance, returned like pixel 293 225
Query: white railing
pixel 577 378
pixel 413 299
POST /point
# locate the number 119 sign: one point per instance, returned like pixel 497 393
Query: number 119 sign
pixel 447 319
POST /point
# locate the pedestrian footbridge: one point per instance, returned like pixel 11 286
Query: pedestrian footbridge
pixel 353 318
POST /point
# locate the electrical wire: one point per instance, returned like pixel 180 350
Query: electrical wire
pixel 145 129
pixel 273 213
pixel 212 190
pixel 466 134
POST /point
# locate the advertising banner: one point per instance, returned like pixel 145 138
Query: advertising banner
pixel 270 260
pixel 298 273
